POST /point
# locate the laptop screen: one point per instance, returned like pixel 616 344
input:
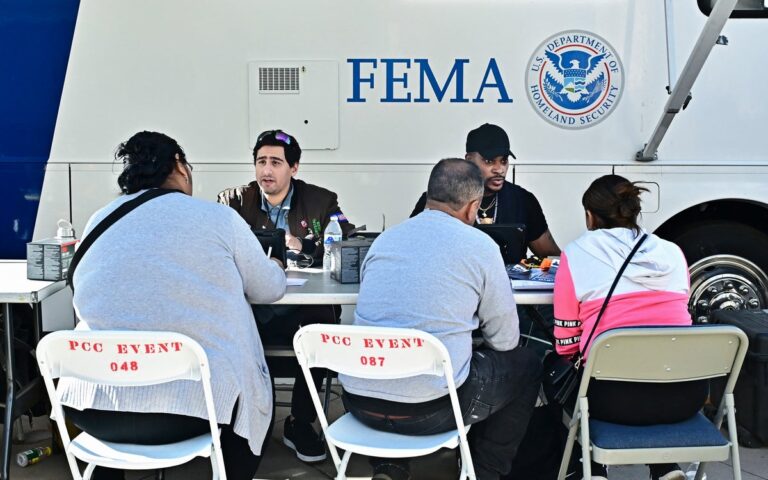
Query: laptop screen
pixel 273 239
pixel 510 238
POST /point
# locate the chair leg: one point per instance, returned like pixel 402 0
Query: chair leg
pixel 215 466
pixel 327 397
pixel 341 471
pixel 467 473
pixel 700 471
pixel 89 471
pixel 586 456
pixel 573 428
pixel 465 461
pixel 733 436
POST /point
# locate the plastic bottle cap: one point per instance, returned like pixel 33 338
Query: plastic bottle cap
pixel 65 229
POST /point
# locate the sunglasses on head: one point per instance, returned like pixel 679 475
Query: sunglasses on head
pixel 280 136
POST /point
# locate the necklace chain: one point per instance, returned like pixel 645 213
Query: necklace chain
pixel 490 206
pixel 484 211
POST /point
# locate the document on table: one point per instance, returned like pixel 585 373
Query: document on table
pixel 295 282
pixel 532 285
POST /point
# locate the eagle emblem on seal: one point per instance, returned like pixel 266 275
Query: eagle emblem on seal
pixel 574 81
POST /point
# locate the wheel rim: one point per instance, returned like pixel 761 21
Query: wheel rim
pixel 725 282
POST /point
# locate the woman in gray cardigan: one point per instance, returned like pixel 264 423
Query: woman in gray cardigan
pixel 180 264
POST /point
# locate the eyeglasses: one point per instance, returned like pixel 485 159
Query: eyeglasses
pixel 280 136
pixel 185 162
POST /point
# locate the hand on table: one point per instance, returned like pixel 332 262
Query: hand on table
pixel 292 243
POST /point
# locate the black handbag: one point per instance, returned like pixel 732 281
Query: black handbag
pixel 562 374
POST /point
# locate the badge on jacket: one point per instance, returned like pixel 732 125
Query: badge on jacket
pixel 316 228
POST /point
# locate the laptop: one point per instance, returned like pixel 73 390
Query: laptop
pixel 272 238
pixel 509 237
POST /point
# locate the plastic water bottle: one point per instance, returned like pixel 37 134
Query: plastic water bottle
pixel 331 235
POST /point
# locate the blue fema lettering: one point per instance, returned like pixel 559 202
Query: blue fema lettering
pixel 392 79
pixel 457 71
pixel 493 69
pixel 357 79
pixel 396 87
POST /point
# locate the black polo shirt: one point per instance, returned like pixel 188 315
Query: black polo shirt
pixel 515 205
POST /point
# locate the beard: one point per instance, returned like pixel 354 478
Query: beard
pixel 494 184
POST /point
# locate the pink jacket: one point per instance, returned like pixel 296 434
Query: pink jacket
pixel 652 291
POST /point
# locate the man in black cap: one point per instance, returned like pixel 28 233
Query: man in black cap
pixel 503 202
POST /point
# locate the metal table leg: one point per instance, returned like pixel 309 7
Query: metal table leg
pixel 10 392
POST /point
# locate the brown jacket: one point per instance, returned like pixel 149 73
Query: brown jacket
pixel 310 213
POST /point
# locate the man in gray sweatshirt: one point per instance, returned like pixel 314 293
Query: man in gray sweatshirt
pixel 436 273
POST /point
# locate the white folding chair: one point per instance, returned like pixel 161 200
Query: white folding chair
pixel 660 355
pixel 128 358
pixel 363 352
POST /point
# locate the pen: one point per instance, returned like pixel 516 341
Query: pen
pixel 269 251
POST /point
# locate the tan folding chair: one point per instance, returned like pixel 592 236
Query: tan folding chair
pixel 109 358
pixel 660 355
pixel 356 351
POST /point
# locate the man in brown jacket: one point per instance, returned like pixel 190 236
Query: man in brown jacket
pixel 277 200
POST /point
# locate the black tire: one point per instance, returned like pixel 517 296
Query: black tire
pixel 701 240
pixel 736 254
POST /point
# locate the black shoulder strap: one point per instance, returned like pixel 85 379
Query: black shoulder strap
pixel 107 222
pixel 613 287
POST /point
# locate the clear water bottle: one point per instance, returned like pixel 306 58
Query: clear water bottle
pixel 331 235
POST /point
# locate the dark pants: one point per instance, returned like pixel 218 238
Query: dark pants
pixel 497 398
pixel 645 403
pixel 630 403
pixel 536 323
pixel 540 452
pixel 277 325
pixel 159 428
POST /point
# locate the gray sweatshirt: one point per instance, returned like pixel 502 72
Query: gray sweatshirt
pixel 181 264
pixel 436 274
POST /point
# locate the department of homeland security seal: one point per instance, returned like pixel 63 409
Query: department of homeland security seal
pixel 574 79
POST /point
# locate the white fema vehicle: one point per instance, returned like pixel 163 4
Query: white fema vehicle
pixel 377 91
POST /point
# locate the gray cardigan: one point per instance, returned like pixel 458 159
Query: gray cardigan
pixel 181 264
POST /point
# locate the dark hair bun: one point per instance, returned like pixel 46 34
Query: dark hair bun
pixel 614 201
pixel 628 201
pixel 148 158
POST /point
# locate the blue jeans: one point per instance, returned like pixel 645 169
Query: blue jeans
pixel 497 398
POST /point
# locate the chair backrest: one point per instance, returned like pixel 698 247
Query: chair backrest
pixel 376 353
pixel 666 354
pixel 372 352
pixel 124 358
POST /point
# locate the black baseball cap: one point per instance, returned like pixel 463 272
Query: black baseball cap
pixel 490 141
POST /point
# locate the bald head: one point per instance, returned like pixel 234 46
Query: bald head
pixel 455 182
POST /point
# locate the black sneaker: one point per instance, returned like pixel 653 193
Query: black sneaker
pixel 303 439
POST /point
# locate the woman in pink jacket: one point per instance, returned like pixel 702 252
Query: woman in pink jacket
pixel 652 291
